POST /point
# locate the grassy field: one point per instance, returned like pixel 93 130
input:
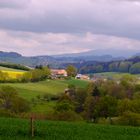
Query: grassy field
pixel 30 91
pixel 115 75
pixel 18 129
pixel 10 69
pixel 53 87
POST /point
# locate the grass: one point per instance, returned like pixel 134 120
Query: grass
pixel 53 87
pixel 10 69
pixel 30 91
pixel 114 75
pixel 12 129
pixel 76 82
pixel 44 107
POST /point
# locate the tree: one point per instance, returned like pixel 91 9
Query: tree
pixel 90 88
pixel 124 106
pixel 26 77
pixel 80 98
pixel 71 71
pixel 36 75
pixel 19 105
pixel 107 107
pixel 96 92
pixel 113 67
pixel 7 93
pixel 64 106
pixel 10 101
pixel 98 68
pixel 124 66
pixel 135 68
pixel 46 72
pixel 90 109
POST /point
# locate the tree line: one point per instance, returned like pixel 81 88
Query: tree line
pixel 14 66
pixel 117 103
pixel 119 66
pixel 127 66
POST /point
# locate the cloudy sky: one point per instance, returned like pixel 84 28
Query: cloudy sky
pixel 46 27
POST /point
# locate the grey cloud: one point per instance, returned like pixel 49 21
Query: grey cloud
pixel 75 16
pixel 13 3
pixel 64 24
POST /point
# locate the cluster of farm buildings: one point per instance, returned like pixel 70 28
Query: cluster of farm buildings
pixel 56 73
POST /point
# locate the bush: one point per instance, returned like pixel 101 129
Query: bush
pixel 129 118
pixel 64 116
pixel 6 113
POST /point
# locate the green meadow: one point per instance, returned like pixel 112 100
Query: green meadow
pixel 30 91
pixel 53 87
pixel 19 129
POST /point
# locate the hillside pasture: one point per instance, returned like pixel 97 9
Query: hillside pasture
pixel 53 87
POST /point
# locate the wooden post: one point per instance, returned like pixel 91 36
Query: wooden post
pixel 32 126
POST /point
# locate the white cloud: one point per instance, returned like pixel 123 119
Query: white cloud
pixel 28 43
pixel 63 26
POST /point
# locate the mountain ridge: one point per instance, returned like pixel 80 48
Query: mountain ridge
pixel 57 61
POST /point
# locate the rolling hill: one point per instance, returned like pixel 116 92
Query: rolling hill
pixel 54 61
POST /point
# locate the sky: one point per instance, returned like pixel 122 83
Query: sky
pixel 49 27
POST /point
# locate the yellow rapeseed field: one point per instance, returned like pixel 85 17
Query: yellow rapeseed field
pixel 14 74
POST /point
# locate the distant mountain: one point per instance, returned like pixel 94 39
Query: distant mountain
pixel 115 53
pixel 58 61
pixel 93 55
pixel 103 58
pixel 10 54
pixel 13 57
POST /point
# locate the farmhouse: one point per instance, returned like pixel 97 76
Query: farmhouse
pixel 82 77
pixel 58 72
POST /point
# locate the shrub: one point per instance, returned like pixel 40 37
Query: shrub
pixel 130 118
pixel 64 116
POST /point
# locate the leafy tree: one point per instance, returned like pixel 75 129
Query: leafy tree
pixel 113 67
pixel 124 66
pixel 135 68
pixel 71 71
pixel 99 68
pixel 9 100
pixel 64 106
pixel 107 107
pixel 80 98
pixel 46 72
pixel 96 92
pixel 7 93
pixel 36 75
pixel 124 106
pixel 90 109
pixel 19 105
pixel 130 118
pixel 26 77
pixel 90 88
